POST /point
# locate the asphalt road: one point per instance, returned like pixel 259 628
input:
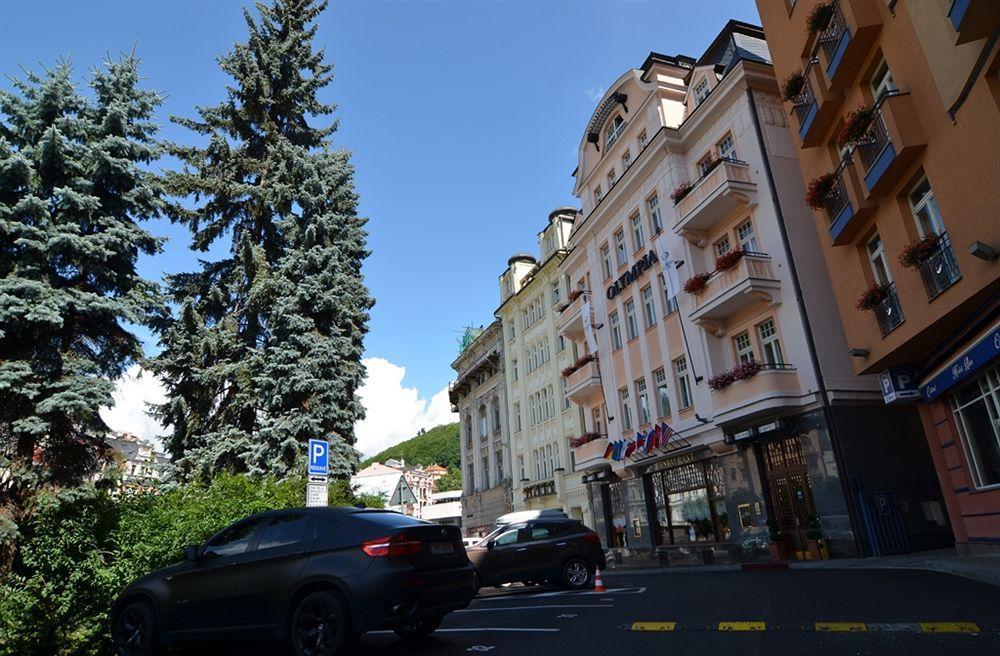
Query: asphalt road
pixel 767 612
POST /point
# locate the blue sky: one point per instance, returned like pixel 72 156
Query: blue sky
pixel 464 119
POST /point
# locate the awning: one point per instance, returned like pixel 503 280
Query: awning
pixel 984 351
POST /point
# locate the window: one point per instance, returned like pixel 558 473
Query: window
pixel 882 82
pixel 498 461
pixel 496 417
pixel 560 343
pixel 621 254
pixel 643 140
pixel 880 265
pixel 547 246
pixel 520 466
pixel 648 308
pixel 925 210
pixel 722 245
pixel 743 347
pixel 232 541
pixel 706 164
pixel 513 369
pixel 662 393
pixel 616 331
pixel 643 399
pixel 611 179
pixel 596 425
pixel 504 539
pixel 517 417
pixel 631 324
pixel 683 382
pixel 637 239
pixel 606 261
pixel 483 422
pixel 700 91
pixel 748 240
pixel 470 474
pixel 615 130
pixel 513 330
pixel 598 194
pixel 485 462
pixel 562 391
pixel 727 147
pixel 626 160
pixel 626 410
pixel 653 204
pixel 555 292
pixel 670 304
pixel 977 413
pixel 769 344
pixel 468 429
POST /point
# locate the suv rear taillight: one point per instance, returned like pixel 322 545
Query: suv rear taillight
pixel 397 545
pixel 592 537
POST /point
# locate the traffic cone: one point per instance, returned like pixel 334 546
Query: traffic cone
pixel 598 583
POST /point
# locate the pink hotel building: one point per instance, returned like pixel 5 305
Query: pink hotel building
pixel 753 371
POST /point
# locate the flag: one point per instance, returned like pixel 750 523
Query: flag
pixel 609 451
pixel 653 439
pixel 617 455
pixel 640 440
pixel 630 448
pixel 667 432
pixel 588 327
pixel 673 283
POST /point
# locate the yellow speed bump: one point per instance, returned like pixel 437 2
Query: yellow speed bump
pixel 842 627
pixel 949 627
pixel 654 626
pixel 742 626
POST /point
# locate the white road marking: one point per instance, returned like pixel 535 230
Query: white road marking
pixel 567 616
pixel 539 595
pixel 480 648
pixel 473 629
pixel 495 609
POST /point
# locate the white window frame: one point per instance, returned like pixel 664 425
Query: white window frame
pixel 877 256
pixel 615 129
pixel 655 219
pixel 743 347
pixel 882 82
pixel 616 330
pixel 662 392
pixel 701 91
pixel 638 239
pixel 989 393
pixel 621 248
pixel 643 400
pixel 726 146
pixel 623 397
pixel 931 221
pixel 648 306
pixel 770 344
pixel 683 378
pixel 631 322
pixel 606 260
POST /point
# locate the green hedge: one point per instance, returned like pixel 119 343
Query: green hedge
pixel 83 546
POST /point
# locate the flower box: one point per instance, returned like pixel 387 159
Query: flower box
pixel 820 189
pixel 819 17
pixel 872 297
pixel 696 284
pixel 919 251
pixel 747 369
pixel 722 381
pixel 856 125
pixel 682 190
pixel 792 86
pixel 728 260
pixel 576 442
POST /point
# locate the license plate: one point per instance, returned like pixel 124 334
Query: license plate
pixel 440 548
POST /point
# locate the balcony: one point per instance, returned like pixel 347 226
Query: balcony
pixel 889 313
pixel 591 454
pixel 892 142
pixel 584 384
pixel 846 206
pixel 845 42
pixel 973 19
pixel 940 270
pixel 715 195
pixel 571 319
pixel 540 489
pixel 751 281
pixel 774 388
pixel 816 107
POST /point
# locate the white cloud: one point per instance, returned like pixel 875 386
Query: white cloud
pixel 128 415
pixel 595 93
pixel 393 412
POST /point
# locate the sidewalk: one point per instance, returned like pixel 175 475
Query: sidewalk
pixel 985 569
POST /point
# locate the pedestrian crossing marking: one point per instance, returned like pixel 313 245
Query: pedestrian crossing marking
pixel 742 626
pixel 841 627
pixel 654 626
pixel 949 627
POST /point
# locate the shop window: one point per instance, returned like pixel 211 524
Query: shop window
pixel 770 345
pixel 690 504
pixel 662 393
pixel 617 501
pixel 977 413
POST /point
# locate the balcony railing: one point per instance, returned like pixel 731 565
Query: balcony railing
pixel 891 142
pixel 874 142
pixel 837 200
pixel 940 270
pixel 833 39
pixel 805 102
pixel 888 312
pixel 752 280
pixel 719 191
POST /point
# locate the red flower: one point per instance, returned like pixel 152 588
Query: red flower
pixel 871 297
pixel 819 17
pixel 919 251
pixel 856 125
pixel 696 283
pixel 721 382
pixel 728 260
pixel 681 191
pixel 820 189
pixel 792 86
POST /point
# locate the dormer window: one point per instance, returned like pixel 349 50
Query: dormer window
pixel 615 130
pixel 700 91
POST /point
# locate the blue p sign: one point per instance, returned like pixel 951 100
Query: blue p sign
pixel 319 458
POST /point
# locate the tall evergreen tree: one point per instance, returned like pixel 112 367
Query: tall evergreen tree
pixel 266 350
pixel 73 187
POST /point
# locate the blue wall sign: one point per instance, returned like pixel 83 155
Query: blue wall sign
pixel 319 458
pixel 984 351
pixel 898 384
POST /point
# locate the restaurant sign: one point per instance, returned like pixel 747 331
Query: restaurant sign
pixel 984 351
pixel 645 262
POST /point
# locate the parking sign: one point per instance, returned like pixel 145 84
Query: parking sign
pixel 319 458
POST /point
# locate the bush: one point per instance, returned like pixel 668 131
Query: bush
pixel 81 547
pixel 820 190
pixel 792 86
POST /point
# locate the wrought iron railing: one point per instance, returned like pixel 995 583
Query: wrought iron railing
pixel 837 199
pixel 806 98
pixel 829 39
pixel 940 270
pixel 877 136
pixel 888 312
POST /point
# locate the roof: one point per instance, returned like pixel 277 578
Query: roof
pixel 376 469
pixel 436 468
pixel 735 42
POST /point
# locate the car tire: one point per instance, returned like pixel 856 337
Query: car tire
pixel 476 583
pixel 576 574
pixel 135 631
pixel 321 626
pixel 419 629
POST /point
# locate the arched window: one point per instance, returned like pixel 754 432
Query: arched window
pixel 615 129
pixel 484 428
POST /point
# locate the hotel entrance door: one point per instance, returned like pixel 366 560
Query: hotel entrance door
pixel 791 495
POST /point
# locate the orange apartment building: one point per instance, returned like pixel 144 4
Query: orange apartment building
pixel 895 110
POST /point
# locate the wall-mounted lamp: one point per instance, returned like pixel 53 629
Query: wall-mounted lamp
pixel 983 251
pixel 858 352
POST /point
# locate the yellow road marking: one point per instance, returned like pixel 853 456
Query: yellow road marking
pixel 949 627
pixel 742 626
pixel 846 627
pixel 653 626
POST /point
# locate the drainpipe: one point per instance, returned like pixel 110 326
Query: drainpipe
pixel 828 414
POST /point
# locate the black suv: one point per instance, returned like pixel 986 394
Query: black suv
pixel 317 577
pixel 562 551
